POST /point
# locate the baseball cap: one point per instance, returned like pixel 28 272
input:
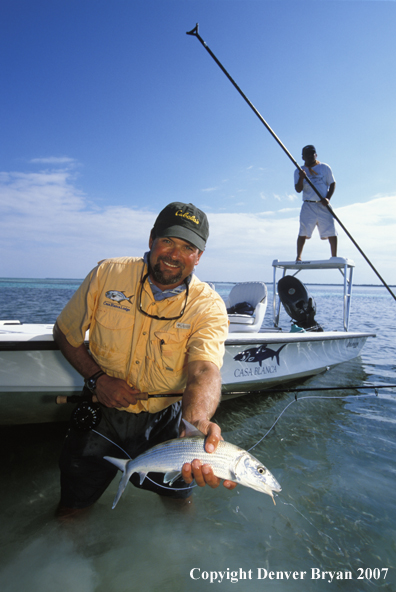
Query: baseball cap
pixel 308 149
pixel 183 221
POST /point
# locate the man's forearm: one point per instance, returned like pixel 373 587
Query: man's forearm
pixel 110 391
pixel 202 393
pixel 200 400
pixel 78 357
pixel 330 191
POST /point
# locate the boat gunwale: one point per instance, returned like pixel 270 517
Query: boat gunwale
pixel 29 342
pixel 308 336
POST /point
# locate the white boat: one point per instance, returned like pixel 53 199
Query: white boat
pixel 33 371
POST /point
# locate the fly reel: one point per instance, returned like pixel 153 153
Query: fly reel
pixel 86 416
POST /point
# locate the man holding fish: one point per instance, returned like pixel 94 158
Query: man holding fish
pixel 154 329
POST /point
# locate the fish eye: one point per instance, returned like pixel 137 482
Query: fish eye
pixel 261 470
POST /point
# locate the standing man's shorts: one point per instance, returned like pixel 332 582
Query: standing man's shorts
pixel 315 214
pixel 85 475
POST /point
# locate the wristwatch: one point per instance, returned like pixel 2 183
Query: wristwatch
pixel 90 383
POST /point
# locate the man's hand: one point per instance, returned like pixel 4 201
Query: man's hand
pixel 115 392
pixel 300 183
pixel 203 473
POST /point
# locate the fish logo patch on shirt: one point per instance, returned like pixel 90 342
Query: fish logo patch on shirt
pixel 119 297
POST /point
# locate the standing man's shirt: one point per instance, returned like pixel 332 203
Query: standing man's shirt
pixel 320 175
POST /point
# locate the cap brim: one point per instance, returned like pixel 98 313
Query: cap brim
pixel 183 233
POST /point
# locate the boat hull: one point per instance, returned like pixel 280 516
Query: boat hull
pixel 33 371
pixel 274 359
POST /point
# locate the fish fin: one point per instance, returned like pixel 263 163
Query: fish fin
pixel 191 430
pixel 120 463
pixel 142 476
pixel 126 467
pixel 171 476
pixel 121 487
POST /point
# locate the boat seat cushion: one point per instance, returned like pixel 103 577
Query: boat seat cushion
pixel 251 292
pixel 246 305
pixel 241 308
pixel 241 319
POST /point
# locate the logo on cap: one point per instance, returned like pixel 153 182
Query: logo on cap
pixel 187 215
pixel 183 221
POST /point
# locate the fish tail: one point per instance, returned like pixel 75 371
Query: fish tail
pixel 278 352
pixel 121 464
pixel 123 483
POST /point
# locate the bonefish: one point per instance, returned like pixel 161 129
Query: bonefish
pixel 228 462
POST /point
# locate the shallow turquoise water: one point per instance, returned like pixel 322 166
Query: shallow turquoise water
pixel 334 457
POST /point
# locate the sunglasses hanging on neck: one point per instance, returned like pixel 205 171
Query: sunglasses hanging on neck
pixel 140 308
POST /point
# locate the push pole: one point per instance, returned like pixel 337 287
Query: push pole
pixel 194 33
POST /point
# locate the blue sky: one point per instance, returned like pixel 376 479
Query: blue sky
pixel 110 111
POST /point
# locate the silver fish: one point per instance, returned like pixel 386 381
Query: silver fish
pixel 228 462
pixel 118 296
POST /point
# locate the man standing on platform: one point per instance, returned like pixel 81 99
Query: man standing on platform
pixel 314 211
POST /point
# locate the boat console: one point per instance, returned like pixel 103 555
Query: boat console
pixel 298 303
pixel 345 266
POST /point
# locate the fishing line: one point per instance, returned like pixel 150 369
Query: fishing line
pixel 320 532
pixel 308 397
pixel 258 442
pixel 111 442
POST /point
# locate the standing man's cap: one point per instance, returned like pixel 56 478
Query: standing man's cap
pixel 183 221
pixel 308 149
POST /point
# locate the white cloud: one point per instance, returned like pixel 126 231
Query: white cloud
pixel 54 160
pixel 291 211
pixel 49 228
pixel 292 197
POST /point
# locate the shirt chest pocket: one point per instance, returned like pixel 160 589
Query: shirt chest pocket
pixel 170 350
pixel 111 337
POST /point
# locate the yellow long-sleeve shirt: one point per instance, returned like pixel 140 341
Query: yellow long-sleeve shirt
pixel 149 354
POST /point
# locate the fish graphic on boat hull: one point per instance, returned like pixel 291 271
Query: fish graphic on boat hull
pixel 259 354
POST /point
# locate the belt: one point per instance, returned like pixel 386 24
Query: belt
pixel 312 200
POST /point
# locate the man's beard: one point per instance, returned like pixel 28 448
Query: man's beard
pixel 162 277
